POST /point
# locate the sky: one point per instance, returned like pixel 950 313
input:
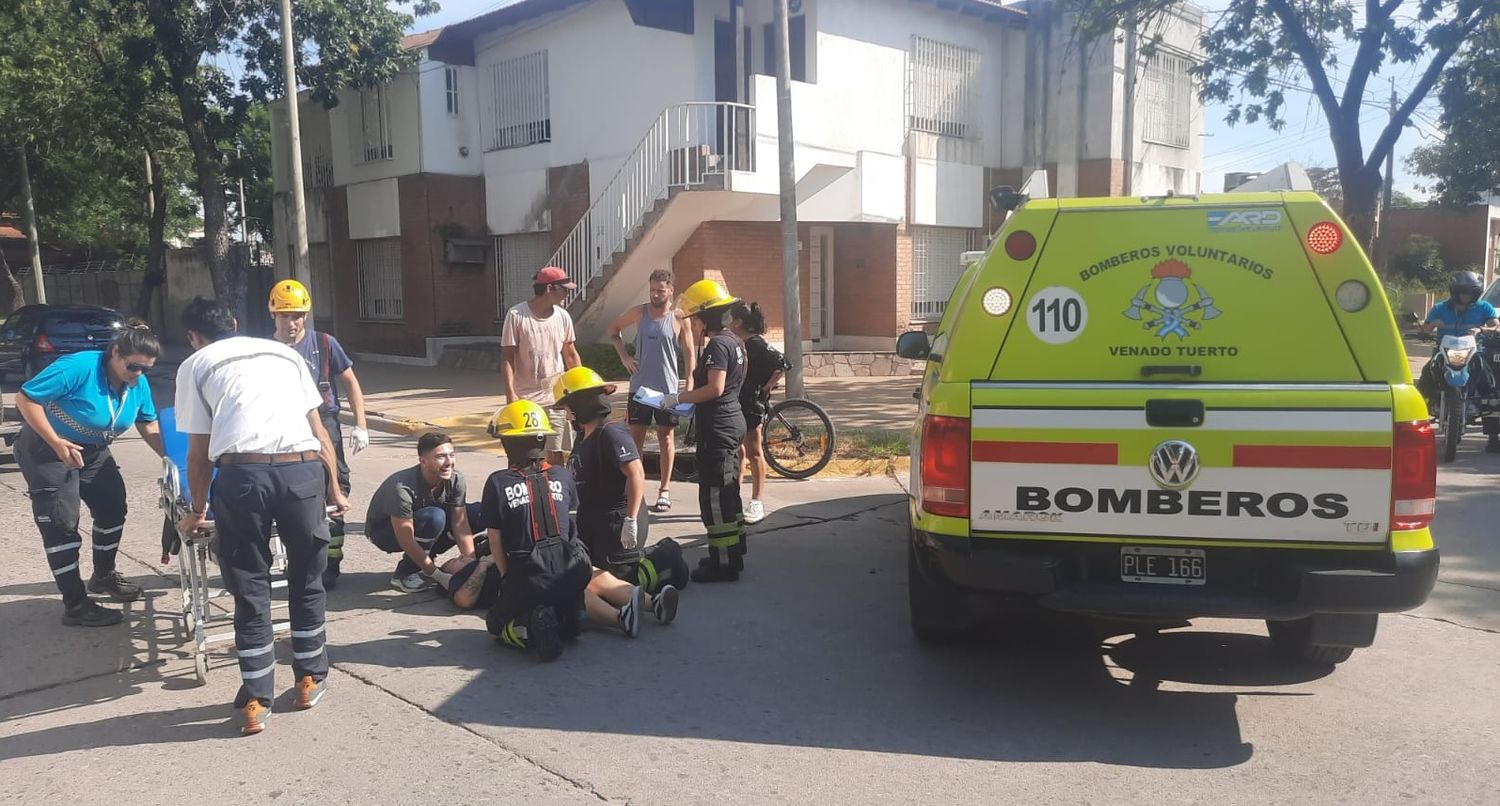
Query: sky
pixel 1245 147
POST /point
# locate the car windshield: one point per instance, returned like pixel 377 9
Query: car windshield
pixel 83 323
pixel 1492 294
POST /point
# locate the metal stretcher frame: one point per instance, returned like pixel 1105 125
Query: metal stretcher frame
pixel 195 579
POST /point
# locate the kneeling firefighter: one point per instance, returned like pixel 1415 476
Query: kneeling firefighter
pixel 611 488
pixel 720 424
pixel 543 566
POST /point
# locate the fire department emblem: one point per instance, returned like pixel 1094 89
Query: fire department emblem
pixel 1171 305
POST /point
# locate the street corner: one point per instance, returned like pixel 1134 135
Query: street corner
pixel 469 432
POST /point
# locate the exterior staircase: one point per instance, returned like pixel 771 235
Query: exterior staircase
pixel 696 146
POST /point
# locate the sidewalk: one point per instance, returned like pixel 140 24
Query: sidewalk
pixel 405 399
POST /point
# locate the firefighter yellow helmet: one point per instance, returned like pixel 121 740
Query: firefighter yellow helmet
pixel 522 418
pixel 703 295
pixel 290 296
pixel 579 379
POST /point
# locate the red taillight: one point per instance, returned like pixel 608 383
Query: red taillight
pixel 945 466
pixel 1413 476
pixel 1020 245
pixel 43 344
pixel 1325 238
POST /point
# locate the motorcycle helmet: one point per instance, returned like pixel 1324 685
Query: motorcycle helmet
pixel 1465 282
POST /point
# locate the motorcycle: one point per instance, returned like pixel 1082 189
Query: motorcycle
pixel 1466 393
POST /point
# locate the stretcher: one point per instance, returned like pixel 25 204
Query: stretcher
pixel 203 624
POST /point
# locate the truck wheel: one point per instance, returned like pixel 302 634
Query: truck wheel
pixel 938 612
pixel 1293 640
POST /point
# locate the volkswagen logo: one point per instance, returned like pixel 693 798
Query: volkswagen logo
pixel 1174 464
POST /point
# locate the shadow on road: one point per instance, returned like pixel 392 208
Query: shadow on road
pixel 811 649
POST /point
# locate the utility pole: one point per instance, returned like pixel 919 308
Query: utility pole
pixel 300 270
pixel 791 297
pixel 1383 248
pixel 28 207
pixel 244 218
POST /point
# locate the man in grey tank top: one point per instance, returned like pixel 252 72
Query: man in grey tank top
pixel 660 342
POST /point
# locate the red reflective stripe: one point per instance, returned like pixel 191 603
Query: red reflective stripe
pixel 1048 453
pixel 1312 456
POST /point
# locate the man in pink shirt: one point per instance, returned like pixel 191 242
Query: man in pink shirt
pixel 537 347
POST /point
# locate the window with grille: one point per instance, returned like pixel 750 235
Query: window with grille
pixel 377 264
pixel 450 84
pixel 943 89
pixel 936 264
pixel 373 134
pixel 519 107
pixel 517 260
pixel 1166 101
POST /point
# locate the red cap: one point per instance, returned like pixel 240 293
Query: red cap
pixel 553 274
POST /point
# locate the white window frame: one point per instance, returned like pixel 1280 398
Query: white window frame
pixel 942 89
pixel 936 265
pixel 450 91
pixel 373 128
pixel 519 100
pixel 1166 101
pixel 377 268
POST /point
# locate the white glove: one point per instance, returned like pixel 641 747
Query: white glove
pixel 441 578
pixel 627 534
pixel 359 439
pixel 669 401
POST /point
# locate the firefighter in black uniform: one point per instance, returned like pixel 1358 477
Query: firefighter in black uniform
pixel 721 426
pixel 533 542
pixel 611 486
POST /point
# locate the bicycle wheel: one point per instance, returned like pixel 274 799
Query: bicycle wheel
pixel 798 439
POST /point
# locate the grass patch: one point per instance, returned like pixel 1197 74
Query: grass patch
pixel 860 443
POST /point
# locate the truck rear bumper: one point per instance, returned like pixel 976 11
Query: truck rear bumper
pixel 1277 584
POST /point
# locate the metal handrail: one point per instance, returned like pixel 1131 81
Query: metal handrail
pixel 688 145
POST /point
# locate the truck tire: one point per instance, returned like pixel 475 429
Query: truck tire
pixel 938 613
pixel 1292 640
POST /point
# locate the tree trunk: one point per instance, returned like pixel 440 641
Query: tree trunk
pixel 1361 197
pixel 156 251
pixel 18 294
pixel 229 282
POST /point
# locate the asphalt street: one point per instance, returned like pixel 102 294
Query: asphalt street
pixel 801 683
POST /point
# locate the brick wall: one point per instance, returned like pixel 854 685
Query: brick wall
pixel 746 257
pixel 457 298
pixel 567 199
pixel 1104 177
pixel 903 279
pixel 1461 232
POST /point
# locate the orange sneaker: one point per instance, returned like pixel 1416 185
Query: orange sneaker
pixel 309 691
pixel 254 716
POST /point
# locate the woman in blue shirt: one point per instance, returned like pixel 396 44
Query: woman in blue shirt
pixel 73 410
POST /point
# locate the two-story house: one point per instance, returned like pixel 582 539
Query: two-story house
pixel 615 137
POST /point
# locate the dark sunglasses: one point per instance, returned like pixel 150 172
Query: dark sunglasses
pixel 137 369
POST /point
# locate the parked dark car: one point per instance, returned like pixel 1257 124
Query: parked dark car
pixel 35 335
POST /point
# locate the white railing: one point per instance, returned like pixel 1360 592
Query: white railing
pixel 690 145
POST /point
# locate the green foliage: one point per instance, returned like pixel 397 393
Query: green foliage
pixel 248 151
pixel 602 359
pixel 1418 265
pixel 1257 51
pixel 1465 163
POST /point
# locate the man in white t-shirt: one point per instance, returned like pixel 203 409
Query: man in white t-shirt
pixel 251 410
pixel 537 347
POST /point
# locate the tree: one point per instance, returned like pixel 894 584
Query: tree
pixel 1258 50
pixel 1325 181
pixel 1466 163
pixel 1419 264
pixel 88 121
pixel 357 42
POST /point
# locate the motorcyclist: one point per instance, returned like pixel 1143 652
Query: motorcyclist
pixel 1462 314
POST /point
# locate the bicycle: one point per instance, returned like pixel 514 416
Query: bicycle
pixel 798 441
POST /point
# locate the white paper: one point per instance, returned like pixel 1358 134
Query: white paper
pixel 647 396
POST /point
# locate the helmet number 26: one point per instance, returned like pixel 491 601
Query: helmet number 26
pixel 1057 315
